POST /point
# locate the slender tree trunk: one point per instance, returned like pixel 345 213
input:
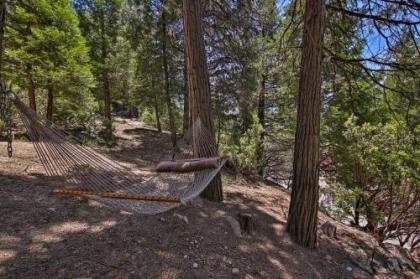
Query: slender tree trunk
pixel 50 100
pixel 199 87
pixel 157 114
pixel 303 211
pixel 357 212
pixel 186 115
pixel 261 119
pixel 105 78
pixel 2 26
pixel 172 127
pixel 31 88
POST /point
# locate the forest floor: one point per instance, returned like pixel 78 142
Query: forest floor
pixel 43 235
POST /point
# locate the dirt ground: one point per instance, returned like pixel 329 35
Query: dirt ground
pixel 43 235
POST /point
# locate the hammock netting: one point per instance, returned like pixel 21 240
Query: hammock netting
pixel 84 168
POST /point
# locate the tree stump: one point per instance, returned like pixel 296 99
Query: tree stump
pixel 246 221
pixel 329 229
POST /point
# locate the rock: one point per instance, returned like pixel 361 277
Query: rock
pixel 182 217
pixel 349 268
pixel 197 202
pixel 249 276
pixel 393 264
pixel 162 219
pixel 361 258
pixel 380 270
pixel 195 265
pixel 406 264
pixel 235 271
pixel 236 227
pixel 185 256
pixel 329 229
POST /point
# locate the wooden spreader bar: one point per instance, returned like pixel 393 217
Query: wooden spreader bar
pixel 113 195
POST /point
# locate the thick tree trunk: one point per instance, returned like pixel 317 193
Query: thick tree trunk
pixel 31 88
pixel 50 100
pixel 172 127
pixel 105 78
pixel 199 87
pixel 261 119
pixel 303 211
pixel 2 26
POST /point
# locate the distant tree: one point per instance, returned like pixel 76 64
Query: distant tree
pixel 165 66
pixel 46 52
pixel 2 25
pixel 303 211
pixel 198 85
pixel 100 22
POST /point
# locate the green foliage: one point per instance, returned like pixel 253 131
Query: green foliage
pixel 43 42
pixel 244 151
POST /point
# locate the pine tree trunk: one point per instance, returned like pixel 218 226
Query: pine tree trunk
pixel 105 78
pixel 31 88
pixel 172 127
pixel 261 119
pixel 2 26
pixel 199 86
pixel 157 114
pixel 50 100
pixel 303 210
pixel 186 115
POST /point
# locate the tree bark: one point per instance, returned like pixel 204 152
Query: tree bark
pixel 105 78
pixel 157 114
pixel 261 119
pixel 31 88
pixel 186 115
pixel 2 26
pixel 303 211
pixel 50 100
pixel 172 127
pixel 199 88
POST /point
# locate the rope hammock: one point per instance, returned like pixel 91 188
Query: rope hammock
pixel 88 172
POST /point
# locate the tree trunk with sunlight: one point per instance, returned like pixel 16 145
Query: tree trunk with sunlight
pixel 198 85
pixel 303 210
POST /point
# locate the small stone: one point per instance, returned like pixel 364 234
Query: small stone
pixel 249 276
pixel 182 217
pixel 185 256
pixel 197 202
pixel 235 271
pixel 263 273
pixel 226 247
pixel 236 228
pixel 162 219
pixel 349 268
pixel 195 265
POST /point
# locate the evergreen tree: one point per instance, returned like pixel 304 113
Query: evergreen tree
pixel 46 52
pixel 101 24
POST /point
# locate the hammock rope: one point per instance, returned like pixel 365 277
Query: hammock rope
pixel 88 172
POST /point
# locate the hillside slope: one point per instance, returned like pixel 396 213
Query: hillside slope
pixel 48 236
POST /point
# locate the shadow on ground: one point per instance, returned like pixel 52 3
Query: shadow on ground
pixel 48 236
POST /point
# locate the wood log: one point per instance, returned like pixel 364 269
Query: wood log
pixel 188 165
pixel 113 195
